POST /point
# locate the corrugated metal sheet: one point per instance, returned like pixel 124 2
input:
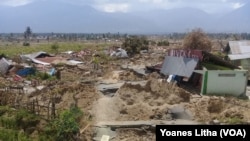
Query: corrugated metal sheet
pixel 239 47
pixel 33 55
pixel 179 66
pixel 4 66
pixel 239 56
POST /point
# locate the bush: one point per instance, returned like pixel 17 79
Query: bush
pixel 13 135
pixel 15 124
pixel 66 126
pixel 25 120
pixel 26 44
pixel 55 47
pixel 43 76
pixel 163 43
pixel 197 39
pixel 133 45
pixel 2 55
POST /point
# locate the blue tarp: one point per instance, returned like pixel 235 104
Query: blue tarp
pixel 26 71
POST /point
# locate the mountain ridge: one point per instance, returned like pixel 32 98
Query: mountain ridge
pixel 42 16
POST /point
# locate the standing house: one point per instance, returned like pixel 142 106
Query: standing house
pixel 205 71
pixel 240 53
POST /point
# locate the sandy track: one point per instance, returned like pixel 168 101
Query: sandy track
pixel 105 109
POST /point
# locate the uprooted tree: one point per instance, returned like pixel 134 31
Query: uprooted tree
pixel 135 44
pixel 197 39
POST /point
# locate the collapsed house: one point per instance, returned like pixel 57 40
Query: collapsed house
pixel 204 72
pixel 44 60
pixel 41 58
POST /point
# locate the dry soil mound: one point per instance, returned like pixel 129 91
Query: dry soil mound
pixel 151 101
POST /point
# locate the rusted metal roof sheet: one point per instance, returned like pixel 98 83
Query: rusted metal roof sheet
pixel 186 53
pixel 49 59
pixel 202 56
pixel 181 66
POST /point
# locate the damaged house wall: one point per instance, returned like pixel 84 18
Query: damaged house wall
pixel 226 82
pixel 219 76
pixel 239 53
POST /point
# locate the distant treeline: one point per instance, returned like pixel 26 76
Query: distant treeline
pixel 108 36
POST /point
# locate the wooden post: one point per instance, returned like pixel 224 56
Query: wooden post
pixel 15 102
pixel 48 108
pixel 27 106
pixel 33 107
pixel 38 107
pixel 53 109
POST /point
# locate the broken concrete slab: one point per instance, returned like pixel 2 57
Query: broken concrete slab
pixel 104 87
pixel 111 88
pixel 138 69
pixel 40 87
pixel 140 123
pixel 105 138
pixel 103 132
pixel 179 112
pixel 29 90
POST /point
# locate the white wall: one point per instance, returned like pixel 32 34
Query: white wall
pixel 226 82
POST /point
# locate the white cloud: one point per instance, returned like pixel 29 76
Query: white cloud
pixel 152 1
pixel 113 7
pixel 157 1
pixel 210 6
pixel 15 3
pixel 237 5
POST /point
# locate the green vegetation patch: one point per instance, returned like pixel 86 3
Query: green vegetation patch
pixel 17 49
pixel 211 66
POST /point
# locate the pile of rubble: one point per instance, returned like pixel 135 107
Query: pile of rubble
pixel 223 109
pixel 138 97
pixel 152 101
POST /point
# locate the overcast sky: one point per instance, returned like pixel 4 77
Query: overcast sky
pixel 209 6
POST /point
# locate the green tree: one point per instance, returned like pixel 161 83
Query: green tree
pixel 134 44
pixel 27 35
pixel 197 39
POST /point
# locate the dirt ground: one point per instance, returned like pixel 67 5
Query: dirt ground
pixel 133 102
pixel 135 134
pixel 153 101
